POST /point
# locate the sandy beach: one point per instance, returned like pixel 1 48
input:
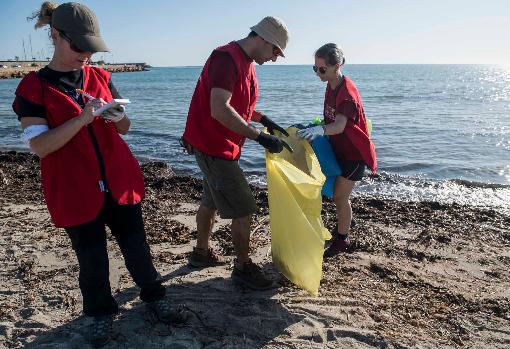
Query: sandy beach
pixel 420 275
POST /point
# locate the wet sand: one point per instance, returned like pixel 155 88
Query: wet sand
pixel 420 275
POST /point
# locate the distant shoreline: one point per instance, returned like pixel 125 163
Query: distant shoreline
pixel 18 69
pixel 349 64
pixel 12 72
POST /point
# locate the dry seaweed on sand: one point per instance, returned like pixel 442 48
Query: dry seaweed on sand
pixel 419 274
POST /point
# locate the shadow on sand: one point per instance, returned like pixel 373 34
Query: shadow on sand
pixel 221 314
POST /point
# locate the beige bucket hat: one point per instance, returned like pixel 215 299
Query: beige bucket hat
pixel 273 30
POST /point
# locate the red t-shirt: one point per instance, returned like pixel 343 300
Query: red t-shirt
pixel 222 70
pixel 342 146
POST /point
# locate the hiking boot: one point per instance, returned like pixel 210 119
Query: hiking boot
pixel 163 312
pixel 339 243
pixel 201 258
pixel 250 275
pixel 101 330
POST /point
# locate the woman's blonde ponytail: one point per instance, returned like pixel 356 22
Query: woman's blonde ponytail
pixel 43 16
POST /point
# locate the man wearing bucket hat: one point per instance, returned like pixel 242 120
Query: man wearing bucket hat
pixel 217 125
pixel 90 178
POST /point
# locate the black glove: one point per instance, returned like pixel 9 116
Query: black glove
pixel 272 143
pixel 271 125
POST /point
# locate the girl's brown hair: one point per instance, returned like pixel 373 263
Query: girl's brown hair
pixel 43 15
pixel 331 53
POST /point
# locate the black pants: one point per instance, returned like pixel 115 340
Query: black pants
pixel 89 243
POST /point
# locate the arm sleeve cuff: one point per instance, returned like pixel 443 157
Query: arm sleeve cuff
pixel 24 108
pixel 349 109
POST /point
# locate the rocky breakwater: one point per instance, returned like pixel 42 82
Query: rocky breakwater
pixel 17 70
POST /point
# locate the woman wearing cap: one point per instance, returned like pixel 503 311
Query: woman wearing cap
pixel 346 126
pixel 89 176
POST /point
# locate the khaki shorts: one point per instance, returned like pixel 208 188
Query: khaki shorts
pixel 225 187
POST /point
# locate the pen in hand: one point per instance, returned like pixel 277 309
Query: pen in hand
pixel 80 91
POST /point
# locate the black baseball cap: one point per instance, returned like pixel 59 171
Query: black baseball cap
pixel 80 24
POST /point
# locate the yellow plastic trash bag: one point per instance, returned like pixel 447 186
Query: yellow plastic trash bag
pixel 294 182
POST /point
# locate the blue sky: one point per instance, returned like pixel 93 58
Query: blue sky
pixel 183 33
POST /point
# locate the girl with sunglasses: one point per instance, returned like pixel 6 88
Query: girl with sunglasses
pixel 346 126
pixel 89 176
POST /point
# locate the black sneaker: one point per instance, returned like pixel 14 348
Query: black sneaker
pixel 101 330
pixel 338 244
pixel 250 275
pixel 163 312
pixel 201 258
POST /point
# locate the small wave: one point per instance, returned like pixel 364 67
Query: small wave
pixel 389 97
pixel 427 182
pixel 473 184
pixel 460 191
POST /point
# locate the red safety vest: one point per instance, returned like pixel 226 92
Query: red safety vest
pixel 71 177
pixel 357 131
pixel 204 132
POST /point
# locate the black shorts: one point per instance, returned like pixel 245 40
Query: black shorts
pixel 353 170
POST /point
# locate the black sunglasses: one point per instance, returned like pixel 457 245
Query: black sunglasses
pixel 322 70
pixel 276 51
pixel 71 45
